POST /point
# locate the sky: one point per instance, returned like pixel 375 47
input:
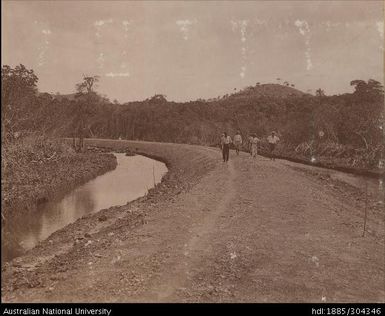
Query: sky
pixel 190 49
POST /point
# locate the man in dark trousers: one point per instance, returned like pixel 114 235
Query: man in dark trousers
pixel 225 142
pixel 273 141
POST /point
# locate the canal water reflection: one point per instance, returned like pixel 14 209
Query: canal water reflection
pixel 131 179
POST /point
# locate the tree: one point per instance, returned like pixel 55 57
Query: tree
pixel 369 91
pixel 87 85
pixel 320 94
pixel 367 106
pixel 158 99
pixel 85 98
pixel 18 92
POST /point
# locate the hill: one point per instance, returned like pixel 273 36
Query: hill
pixel 268 90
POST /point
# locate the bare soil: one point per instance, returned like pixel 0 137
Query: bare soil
pixel 250 230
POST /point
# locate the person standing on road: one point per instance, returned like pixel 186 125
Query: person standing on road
pixel 254 146
pixel 222 141
pixel 226 141
pixel 237 142
pixel 272 140
pixel 250 143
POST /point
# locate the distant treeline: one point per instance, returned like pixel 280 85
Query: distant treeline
pixel 353 122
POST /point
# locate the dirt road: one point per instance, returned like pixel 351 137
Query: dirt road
pixel 250 230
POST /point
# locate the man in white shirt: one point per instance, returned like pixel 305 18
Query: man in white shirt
pixel 226 140
pixel 272 140
pixel 237 142
pixel 254 146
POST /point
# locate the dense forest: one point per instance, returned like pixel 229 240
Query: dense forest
pixel 349 126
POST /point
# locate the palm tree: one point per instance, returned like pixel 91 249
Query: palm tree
pixel 320 93
pixel 86 97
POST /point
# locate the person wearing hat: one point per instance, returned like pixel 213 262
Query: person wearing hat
pixel 272 140
pixel 237 142
pixel 225 142
pixel 222 141
pixel 254 145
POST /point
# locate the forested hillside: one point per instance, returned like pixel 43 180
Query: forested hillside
pixel 348 126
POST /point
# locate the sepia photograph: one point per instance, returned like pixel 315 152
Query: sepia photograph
pixel 192 152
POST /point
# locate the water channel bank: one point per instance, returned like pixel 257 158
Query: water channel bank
pixel 33 183
pixel 132 178
pixel 38 171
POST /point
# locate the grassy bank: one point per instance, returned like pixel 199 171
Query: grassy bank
pixel 329 155
pixel 35 169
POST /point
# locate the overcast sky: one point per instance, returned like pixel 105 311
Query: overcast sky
pixel 189 50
